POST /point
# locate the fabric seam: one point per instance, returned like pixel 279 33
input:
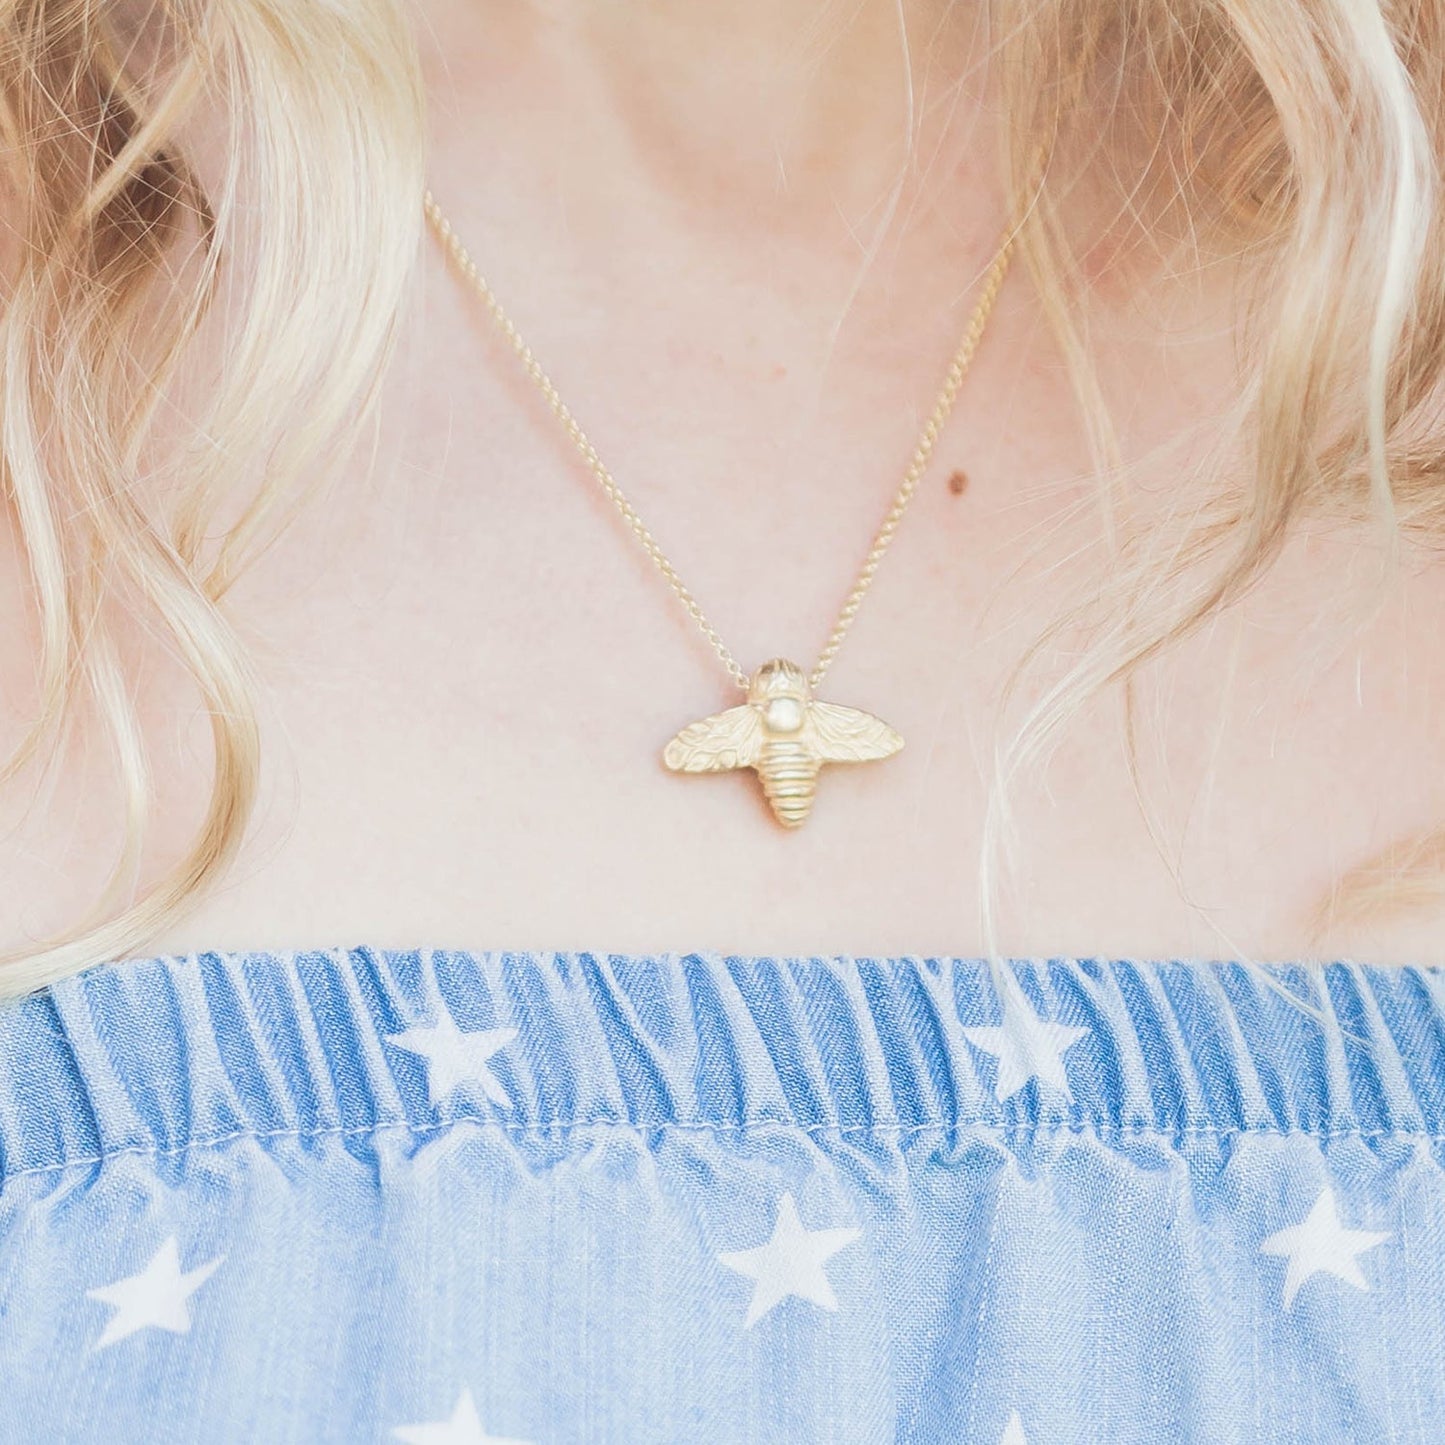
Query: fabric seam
pixel 543 1128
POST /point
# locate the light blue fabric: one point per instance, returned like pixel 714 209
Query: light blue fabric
pixel 366 1195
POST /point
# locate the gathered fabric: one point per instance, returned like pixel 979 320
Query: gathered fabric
pixel 452 1197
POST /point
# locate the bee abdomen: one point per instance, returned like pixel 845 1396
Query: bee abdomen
pixel 790 780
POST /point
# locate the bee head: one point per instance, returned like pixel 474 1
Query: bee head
pixel 777 678
pixel 780 688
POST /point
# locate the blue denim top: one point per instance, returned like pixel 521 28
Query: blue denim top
pixel 450 1196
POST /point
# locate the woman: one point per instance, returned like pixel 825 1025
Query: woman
pixel 446 1004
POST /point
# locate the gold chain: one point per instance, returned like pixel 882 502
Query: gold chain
pixel 973 332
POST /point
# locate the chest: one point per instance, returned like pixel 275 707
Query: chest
pixel 470 666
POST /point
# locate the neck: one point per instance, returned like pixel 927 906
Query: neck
pixel 829 114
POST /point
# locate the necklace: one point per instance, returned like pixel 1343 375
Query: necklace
pixel 781 731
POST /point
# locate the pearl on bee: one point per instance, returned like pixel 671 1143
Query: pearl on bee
pixel 785 714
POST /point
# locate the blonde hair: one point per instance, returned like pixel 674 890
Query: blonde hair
pixel 1307 134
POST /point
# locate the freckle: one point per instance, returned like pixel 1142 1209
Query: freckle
pixel 957 481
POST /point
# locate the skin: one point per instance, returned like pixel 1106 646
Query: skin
pixel 471 666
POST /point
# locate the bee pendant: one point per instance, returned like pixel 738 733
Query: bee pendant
pixel 785 734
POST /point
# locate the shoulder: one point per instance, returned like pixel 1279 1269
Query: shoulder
pixel 1369 667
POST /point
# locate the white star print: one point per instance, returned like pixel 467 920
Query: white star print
pixel 464 1428
pixel 1321 1245
pixel 790 1263
pixel 1013 1432
pixel 1026 1047
pixel 153 1299
pixel 455 1058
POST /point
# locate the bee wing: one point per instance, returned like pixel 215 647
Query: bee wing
pixel 849 735
pixel 731 739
